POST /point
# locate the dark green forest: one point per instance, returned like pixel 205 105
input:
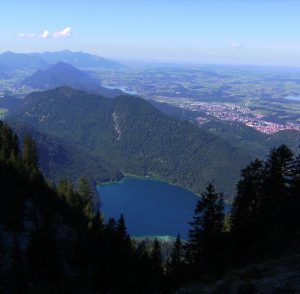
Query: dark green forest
pixel 132 136
pixel 263 225
pixel 53 238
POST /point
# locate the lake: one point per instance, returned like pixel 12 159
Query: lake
pixel 150 207
pixel 293 98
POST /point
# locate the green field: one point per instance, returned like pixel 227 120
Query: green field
pixel 3 111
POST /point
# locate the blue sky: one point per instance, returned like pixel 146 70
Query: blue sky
pixel 238 32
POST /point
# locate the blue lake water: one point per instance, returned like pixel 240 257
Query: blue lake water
pixel 294 98
pixel 150 207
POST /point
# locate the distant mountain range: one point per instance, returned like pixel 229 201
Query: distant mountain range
pixel 22 60
pixel 5 71
pixel 78 59
pixel 63 74
pixel 132 136
pixel 9 102
pixel 42 60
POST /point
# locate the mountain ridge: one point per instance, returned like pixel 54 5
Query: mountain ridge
pixel 21 60
pixel 63 74
pixel 145 142
pixel 256 143
pixel 42 60
pixel 78 59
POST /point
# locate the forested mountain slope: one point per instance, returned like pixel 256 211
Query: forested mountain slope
pixel 130 133
pixel 60 159
pixel 52 240
pixel 255 143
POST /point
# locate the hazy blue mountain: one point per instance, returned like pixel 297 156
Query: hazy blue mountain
pixel 63 74
pixel 41 60
pixel 78 59
pixel 5 71
pixel 21 60
pixel 3 75
pixel 135 137
pixel 4 67
pixel 9 102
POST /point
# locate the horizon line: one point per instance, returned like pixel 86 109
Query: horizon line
pixel 160 61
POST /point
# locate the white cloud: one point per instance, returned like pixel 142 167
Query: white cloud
pixel 26 35
pixel 65 33
pixel 234 45
pixel 45 34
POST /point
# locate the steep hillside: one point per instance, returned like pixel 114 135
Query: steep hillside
pixel 9 102
pixel 255 143
pixel 60 159
pixel 175 111
pixel 276 276
pixel 53 240
pixel 131 134
pixel 63 74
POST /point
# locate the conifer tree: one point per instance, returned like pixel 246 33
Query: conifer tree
pixel 9 143
pixel 156 256
pixel 293 212
pixel 277 191
pixel 278 177
pixel 144 270
pixel 110 229
pixel 205 234
pixel 245 213
pixel 176 265
pixel 142 252
pixel 263 212
pixel 30 154
pixel 65 189
pixel 97 223
pixel 87 196
pixel 156 261
pixel 121 228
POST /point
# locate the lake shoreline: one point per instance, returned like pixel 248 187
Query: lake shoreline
pixel 151 207
pixel 127 176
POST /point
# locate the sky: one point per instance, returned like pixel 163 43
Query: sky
pixel 211 31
